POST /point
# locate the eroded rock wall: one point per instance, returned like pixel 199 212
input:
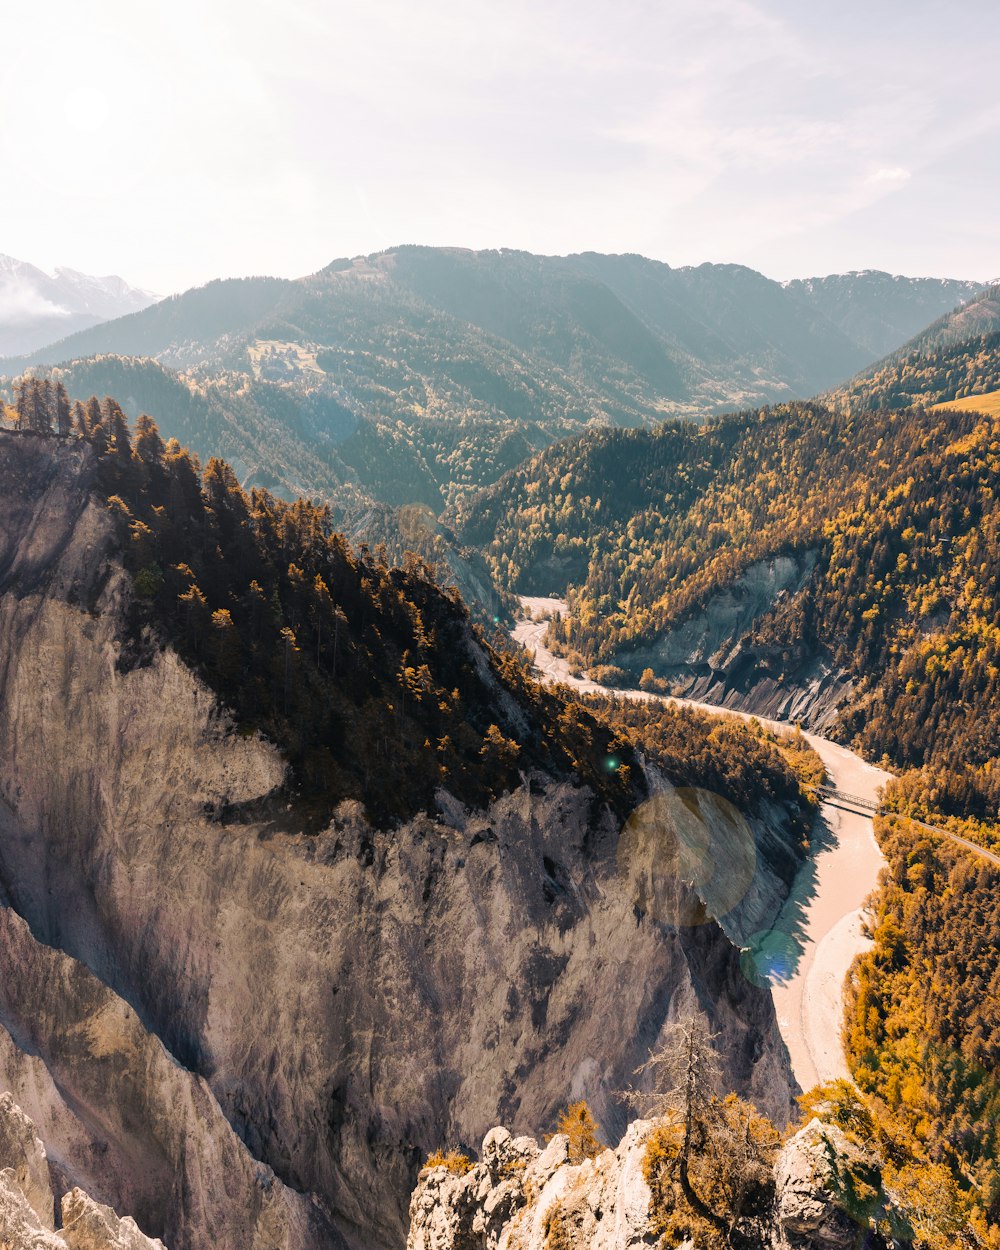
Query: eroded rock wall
pixel 708 656
pixel 122 1119
pixel 350 1000
pixel 28 1202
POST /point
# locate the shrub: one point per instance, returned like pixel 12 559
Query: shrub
pixel 456 1162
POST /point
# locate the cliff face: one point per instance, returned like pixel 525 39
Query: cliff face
pixel 708 656
pixel 28 1219
pixel 186 996
pixel 122 1119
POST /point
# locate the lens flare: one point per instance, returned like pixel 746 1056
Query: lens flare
pixel 770 958
pixel 690 856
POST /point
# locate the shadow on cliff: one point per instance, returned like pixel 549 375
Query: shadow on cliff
pixel 772 957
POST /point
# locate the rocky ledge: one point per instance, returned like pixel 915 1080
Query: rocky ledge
pixel 520 1196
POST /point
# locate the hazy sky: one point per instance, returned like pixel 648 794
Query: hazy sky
pixel 180 141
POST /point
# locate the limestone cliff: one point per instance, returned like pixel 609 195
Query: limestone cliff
pixel 521 1197
pixel 28 1204
pixel 188 995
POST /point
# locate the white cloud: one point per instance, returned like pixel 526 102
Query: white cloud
pixel 20 301
pixel 892 175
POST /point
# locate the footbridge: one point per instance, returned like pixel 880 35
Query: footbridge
pixel 829 794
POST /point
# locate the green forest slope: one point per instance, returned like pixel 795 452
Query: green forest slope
pixel 896 515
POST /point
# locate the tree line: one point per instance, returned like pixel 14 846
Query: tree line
pixel 42 406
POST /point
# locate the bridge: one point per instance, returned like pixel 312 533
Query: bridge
pixel 829 794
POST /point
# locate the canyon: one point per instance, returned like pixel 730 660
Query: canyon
pixel 283 1024
pixel 808 952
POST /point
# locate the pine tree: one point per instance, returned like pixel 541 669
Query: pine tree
pixel 96 432
pixel 119 439
pixel 46 406
pixel 148 445
pixel 64 415
pixel 22 404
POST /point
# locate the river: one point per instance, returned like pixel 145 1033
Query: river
pixel 826 907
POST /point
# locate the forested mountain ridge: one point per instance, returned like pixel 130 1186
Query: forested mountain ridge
pixel 923 1020
pixel 646 336
pixel 775 547
pixel 270 436
pixel 955 358
pixel 420 375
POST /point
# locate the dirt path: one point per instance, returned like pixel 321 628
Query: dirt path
pixel 807 955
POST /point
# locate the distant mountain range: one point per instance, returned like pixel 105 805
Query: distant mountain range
pixel 37 308
pixel 420 375
pixel 641 339
pixel 876 310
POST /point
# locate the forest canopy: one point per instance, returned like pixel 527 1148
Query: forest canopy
pixel 896 515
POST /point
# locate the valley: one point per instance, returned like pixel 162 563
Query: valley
pixel 169 881
pixel 317 785
pixel 349 788
pixel 500 626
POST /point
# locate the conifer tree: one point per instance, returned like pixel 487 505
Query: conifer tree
pixel 21 404
pixel 80 419
pixel 63 412
pixel 119 439
pixel 46 406
pixel 148 445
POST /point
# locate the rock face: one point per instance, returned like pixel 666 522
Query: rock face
pixel 521 1197
pixel 184 995
pixel 512 1195
pixel 816 1206
pixel 122 1118
pixel 27 1200
pixel 707 657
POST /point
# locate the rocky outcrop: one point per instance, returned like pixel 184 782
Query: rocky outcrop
pixel 27 1200
pixel 522 1197
pixel 512 1197
pixel 827 1190
pixel 707 657
pixel 182 963
pixel 23 1155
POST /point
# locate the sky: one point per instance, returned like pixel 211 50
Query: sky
pixel 175 143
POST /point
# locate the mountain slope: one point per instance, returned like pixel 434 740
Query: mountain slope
pixel 37 308
pixel 450 945
pixel 957 356
pixel 420 375
pixel 796 558
pixel 840 569
pixel 636 335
